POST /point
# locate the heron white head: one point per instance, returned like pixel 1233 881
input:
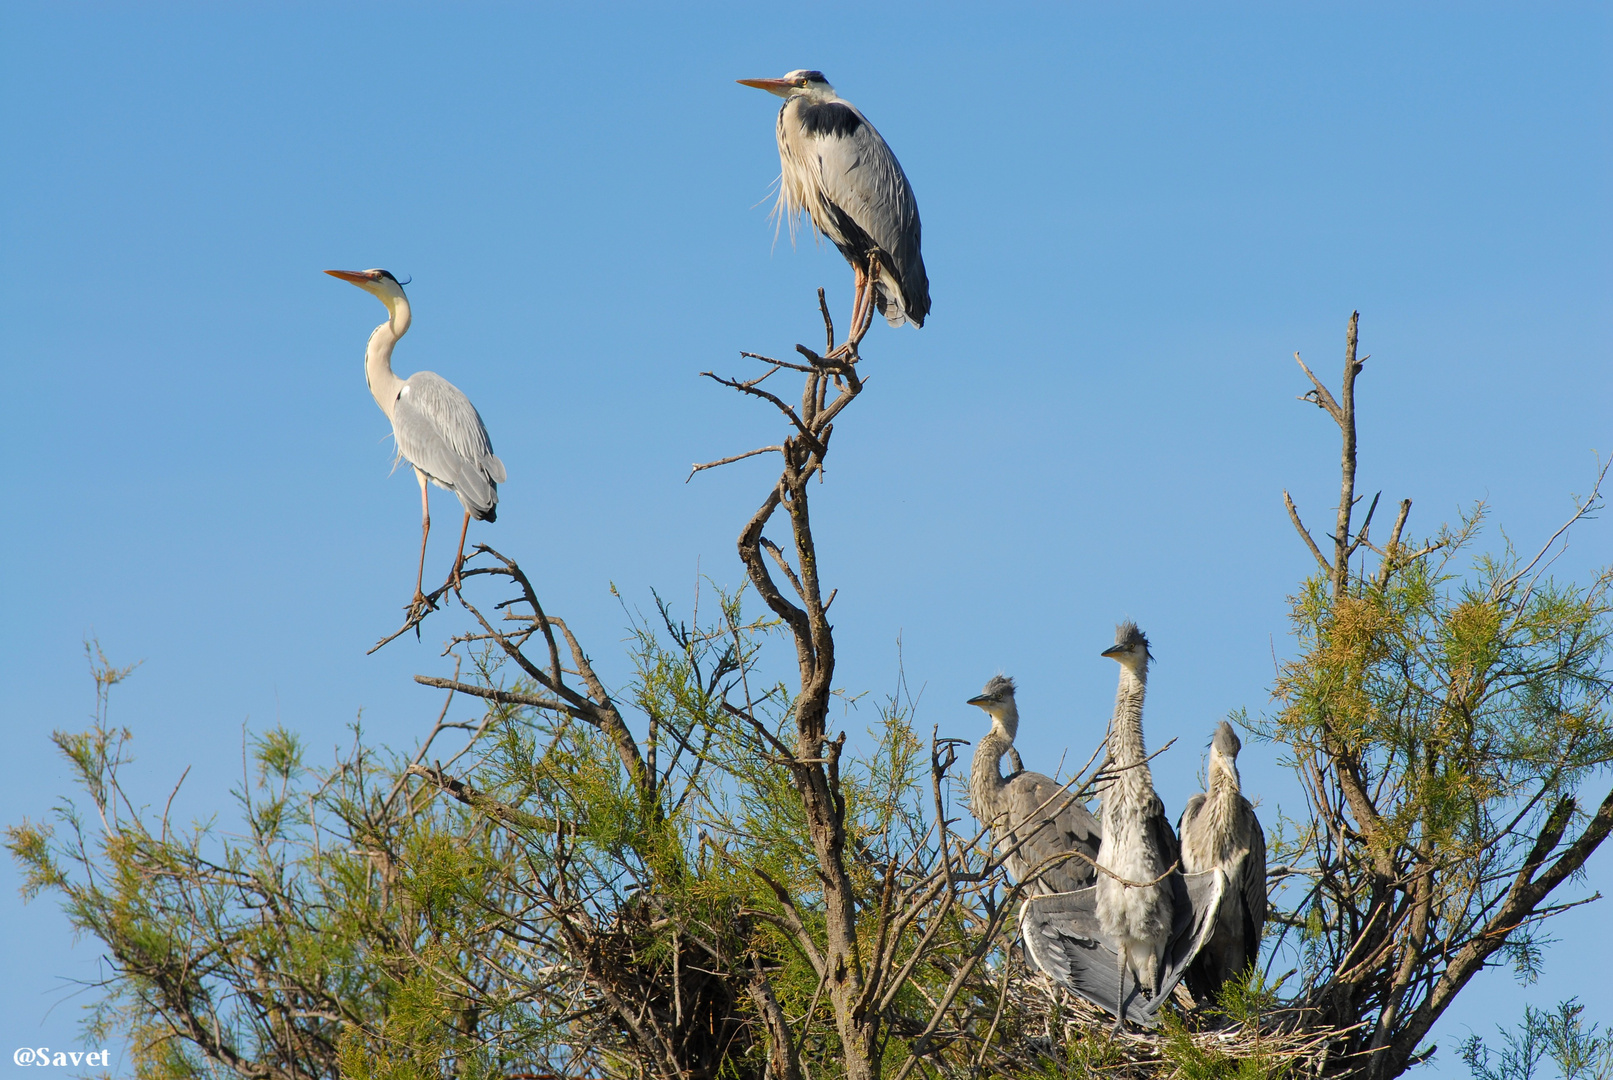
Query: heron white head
pixel 1130 649
pixel 800 83
pixel 385 288
pixel 997 699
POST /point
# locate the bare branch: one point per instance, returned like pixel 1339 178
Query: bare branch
pixel 1304 534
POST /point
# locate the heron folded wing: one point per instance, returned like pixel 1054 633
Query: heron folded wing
pixel 860 177
pixel 1185 823
pixel 1161 835
pixel 1056 824
pixel 1253 884
pixel 439 432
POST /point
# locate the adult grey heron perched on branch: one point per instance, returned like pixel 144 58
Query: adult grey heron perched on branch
pixel 436 428
pixel 835 166
pixel 1028 809
pixel 1219 829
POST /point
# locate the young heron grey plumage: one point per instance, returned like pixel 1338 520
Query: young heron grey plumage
pixel 1139 916
pixel 1139 845
pixel 436 428
pixel 1219 829
pixel 1026 811
pixel 837 168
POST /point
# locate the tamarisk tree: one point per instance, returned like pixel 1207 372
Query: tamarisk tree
pixel 1444 724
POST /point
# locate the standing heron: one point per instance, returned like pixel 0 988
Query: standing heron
pixel 436 428
pixel 1219 829
pixel 1136 903
pixel 835 166
pixel 1028 807
pixel 1139 915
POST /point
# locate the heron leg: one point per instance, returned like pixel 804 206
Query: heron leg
pixel 863 311
pixel 459 560
pixel 1120 1003
pixel 420 600
pixel 859 290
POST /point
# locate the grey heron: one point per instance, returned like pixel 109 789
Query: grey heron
pixel 838 169
pixel 436 428
pixel 1064 938
pixel 1136 902
pixel 1028 806
pixel 1219 829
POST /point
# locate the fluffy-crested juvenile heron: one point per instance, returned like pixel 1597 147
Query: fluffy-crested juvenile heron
pixel 835 166
pixel 1028 806
pixel 1088 939
pixel 1219 830
pixel 436 428
pixel 1138 843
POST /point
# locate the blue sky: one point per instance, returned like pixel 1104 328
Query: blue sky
pixel 1133 217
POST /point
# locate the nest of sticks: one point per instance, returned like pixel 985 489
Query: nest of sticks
pixel 1048 1030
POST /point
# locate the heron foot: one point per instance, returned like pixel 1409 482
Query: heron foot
pixel 420 605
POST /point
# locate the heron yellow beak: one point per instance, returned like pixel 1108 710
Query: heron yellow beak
pixel 352 277
pixel 1113 650
pixel 781 87
pixel 980 700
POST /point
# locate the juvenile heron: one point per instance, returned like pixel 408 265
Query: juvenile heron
pixel 1028 806
pixel 835 166
pixel 1087 940
pixel 1219 830
pixel 1138 843
pixel 436 428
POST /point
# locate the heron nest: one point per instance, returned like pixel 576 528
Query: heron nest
pixel 1048 1031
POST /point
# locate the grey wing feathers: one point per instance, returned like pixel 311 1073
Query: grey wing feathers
pixel 862 178
pixel 1069 827
pixel 1189 812
pixel 1164 837
pixel 440 433
pixel 1254 885
pixel 1063 938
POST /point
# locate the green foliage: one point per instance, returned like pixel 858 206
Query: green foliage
pixel 1560 1036
pixel 1196 1059
pixel 1438 716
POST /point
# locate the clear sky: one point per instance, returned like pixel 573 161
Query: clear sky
pixel 1133 216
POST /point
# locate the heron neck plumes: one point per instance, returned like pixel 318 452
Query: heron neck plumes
pixel 384 385
pixel 1126 734
pixel 985 774
pixel 1222 799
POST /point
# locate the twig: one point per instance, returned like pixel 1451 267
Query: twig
pixel 730 460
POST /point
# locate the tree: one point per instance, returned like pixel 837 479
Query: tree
pixel 1442 724
pixel 695 876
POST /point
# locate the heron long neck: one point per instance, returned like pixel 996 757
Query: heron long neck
pixel 1222 801
pixel 1126 730
pixel 985 775
pixel 384 385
